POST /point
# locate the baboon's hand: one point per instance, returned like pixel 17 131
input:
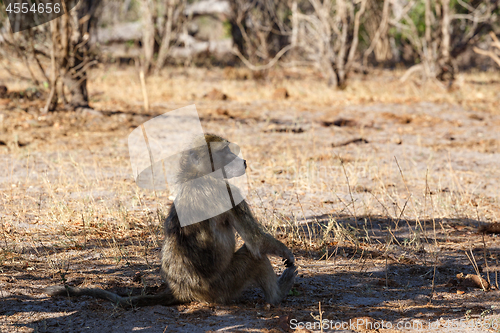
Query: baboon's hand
pixel 277 248
pixel 288 258
pixel 287 263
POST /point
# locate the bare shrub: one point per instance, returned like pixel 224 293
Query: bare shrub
pixel 163 26
pixel 29 46
pixel 448 28
pixel 260 28
pixel 494 52
pixel 65 43
pixel 328 35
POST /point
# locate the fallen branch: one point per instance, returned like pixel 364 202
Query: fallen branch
pixel 491 54
pixel 410 71
pixel 270 64
pixel 357 141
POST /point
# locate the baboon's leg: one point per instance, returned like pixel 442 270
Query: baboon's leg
pixel 275 289
pixel 286 280
pixel 165 298
pixel 245 269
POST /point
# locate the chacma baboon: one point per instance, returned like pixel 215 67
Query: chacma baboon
pixel 199 261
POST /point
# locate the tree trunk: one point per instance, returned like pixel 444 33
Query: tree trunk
pixel 167 37
pixel 148 36
pixel 446 70
pixel 75 77
pixel 71 55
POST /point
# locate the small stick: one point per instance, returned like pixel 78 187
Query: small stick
pixel 84 231
pixel 144 91
pixel 393 236
pixel 496 273
pixel 436 257
pixel 476 268
pixel 305 219
pixel 409 195
pixel 486 261
pixel 350 192
pixel 386 273
pixel 320 317
pixel 433 277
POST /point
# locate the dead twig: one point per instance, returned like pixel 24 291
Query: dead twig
pixel 490 53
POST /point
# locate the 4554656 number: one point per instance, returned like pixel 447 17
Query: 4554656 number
pixel 24 8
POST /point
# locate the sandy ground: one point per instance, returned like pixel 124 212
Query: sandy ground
pixel 380 201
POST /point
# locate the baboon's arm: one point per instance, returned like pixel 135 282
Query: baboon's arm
pixel 258 241
pixel 166 298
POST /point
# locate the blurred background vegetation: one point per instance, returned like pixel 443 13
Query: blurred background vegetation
pixel 432 39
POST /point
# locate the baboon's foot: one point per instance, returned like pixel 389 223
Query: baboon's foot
pixel 285 283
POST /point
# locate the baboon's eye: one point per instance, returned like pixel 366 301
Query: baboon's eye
pixel 195 159
pixel 235 149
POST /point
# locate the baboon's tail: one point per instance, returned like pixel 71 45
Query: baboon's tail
pixel 164 298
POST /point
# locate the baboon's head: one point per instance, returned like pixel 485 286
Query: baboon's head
pixel 212 155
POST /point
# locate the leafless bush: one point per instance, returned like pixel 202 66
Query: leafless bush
pixel 448 31
pixel 260 28
pixel 116 11
pixel 71 56
pixel 377 28
pixel 29 46
pixel 494 52
pixel 329 35
pixel 65 43
pixel 164 24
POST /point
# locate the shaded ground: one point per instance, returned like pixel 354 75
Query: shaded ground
pixel 379 197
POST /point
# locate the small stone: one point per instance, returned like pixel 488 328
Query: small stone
pixel 216 95
pixel 281 93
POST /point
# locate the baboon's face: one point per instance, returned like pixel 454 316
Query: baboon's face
pixel 218 154
pixel 227 160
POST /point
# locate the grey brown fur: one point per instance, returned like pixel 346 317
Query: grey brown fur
pixel 199 261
